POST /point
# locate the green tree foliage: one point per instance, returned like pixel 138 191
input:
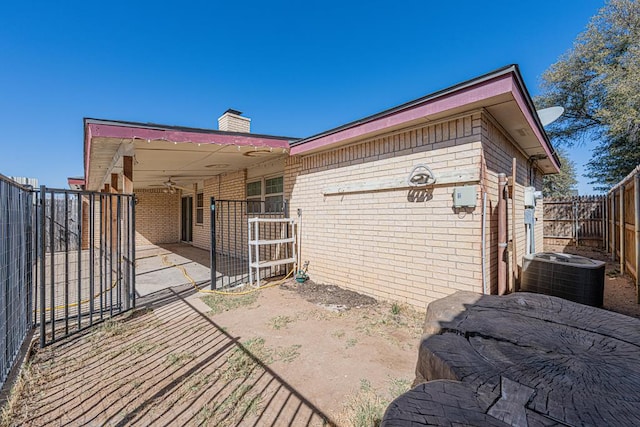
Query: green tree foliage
pixel 612 161
pixel 564 183
pixel 598 84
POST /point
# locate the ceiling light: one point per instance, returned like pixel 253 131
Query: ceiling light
pixel 257 153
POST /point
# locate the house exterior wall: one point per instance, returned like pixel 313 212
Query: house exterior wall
pixel 157 217
pixel 498 154
pixel 230 186
pixel 394 244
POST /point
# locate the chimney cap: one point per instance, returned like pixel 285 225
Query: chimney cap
pixel 232 111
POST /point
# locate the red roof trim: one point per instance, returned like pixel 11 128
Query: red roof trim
pixel 524 107
pixel 465 96
pixel 94 130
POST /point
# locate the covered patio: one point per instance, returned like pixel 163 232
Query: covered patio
pixel 174 171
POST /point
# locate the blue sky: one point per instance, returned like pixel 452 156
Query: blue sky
pixel 295 68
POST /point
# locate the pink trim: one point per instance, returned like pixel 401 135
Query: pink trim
pixel 75 181
pixel 517 95
pixel 479 92
pixel 114 131
pixel 94 130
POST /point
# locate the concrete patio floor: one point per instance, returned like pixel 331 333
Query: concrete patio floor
pixel 155 268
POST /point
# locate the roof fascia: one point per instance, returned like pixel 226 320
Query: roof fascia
pixel 449 99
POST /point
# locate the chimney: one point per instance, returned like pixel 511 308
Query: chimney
pixel 232 121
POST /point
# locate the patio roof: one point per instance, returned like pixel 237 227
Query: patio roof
pixel 501 93
pixel 186 155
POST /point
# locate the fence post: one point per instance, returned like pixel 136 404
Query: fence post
pixel 636 183
pixel 43 248
pixel 28 207
pixel 212 252
pixel 613 225
pixel 132 237
pixel 622 225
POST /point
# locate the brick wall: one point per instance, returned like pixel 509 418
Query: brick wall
pixel 498 154
pixel 233 123
pixel 394 244
pixel 157 217
pixel 201 233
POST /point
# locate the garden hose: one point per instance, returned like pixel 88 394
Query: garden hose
pixel 165 261
pixel 75 304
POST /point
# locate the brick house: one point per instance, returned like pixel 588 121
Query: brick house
pixel 367 224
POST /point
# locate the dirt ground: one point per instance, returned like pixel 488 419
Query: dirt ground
pixel 619 289
pixel 292 355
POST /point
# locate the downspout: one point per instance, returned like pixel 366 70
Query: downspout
pixel 514 241
pixel 485 290
pixel 502 234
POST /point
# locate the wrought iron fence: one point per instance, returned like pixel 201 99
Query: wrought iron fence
pixel 229 237
pixel 16 270
pixel 67 261
pixel 86 260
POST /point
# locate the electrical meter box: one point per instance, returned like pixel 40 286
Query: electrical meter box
pixel 464 197
pixel 530 196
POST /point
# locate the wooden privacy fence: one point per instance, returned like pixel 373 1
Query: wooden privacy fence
pixel 575 221
pixel 623 237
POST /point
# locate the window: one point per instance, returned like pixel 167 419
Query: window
pixel 254 196
pixel 199 208
pixel 274 195
pixel 268 192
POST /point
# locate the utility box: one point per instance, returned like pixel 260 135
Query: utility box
pixel 530 196
pixel 529 216
pixel 465 197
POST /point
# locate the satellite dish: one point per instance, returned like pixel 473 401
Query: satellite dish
pixel 550 115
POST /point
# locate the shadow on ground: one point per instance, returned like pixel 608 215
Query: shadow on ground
pixel 167 363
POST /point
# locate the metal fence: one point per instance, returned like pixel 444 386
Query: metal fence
pixel 229 237
pixel 16 270
pixel 67 261
pixel 83 283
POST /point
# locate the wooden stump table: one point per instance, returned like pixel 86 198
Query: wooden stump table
pixel 523 360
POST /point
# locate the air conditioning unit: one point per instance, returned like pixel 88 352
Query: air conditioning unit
pixel 571 277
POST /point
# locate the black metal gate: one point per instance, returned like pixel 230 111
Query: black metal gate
pixel 229 239
pixel 85 267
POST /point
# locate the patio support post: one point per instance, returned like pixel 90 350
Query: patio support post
pixel 127 174
pixel 114 183
pixel 502 234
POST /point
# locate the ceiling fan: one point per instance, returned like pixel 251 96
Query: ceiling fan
pixel 171 187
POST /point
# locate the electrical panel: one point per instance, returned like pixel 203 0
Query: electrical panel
pixel 530 196
pixel 464 197
pixel 529 216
